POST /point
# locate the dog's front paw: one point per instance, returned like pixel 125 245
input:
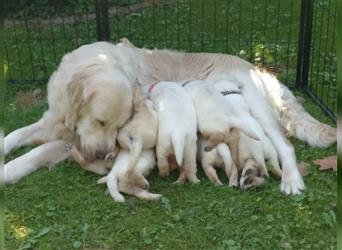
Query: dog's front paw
pixel 291 183
pixel 68 146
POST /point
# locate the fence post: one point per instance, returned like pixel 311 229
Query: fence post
pixel 304 43
pixel 102 22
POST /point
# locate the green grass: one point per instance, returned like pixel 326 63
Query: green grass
pixel 63 208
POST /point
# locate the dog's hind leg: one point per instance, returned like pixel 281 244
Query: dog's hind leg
pixel 163 151
pixel 291 181
pixel 211 174
pixel 189 161
pixel 294 119
pixel 143 194
pixel 32 134
pixel 48 154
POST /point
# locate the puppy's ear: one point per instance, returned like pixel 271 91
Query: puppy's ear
pixel 78 95
pixel 245 128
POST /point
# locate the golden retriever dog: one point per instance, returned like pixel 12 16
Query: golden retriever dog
pixel 219 157
pixel 177 129
pixel 270 102
pixel 117 180
pixel 89 96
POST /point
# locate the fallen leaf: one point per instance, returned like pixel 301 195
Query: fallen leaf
pixel 329 162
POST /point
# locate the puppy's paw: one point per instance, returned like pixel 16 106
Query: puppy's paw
pixel 119 198
pixel 233 183
pixel 196 180
pixel 156 197
pixel 68 146
pixel 111 156
pixel 100 170
pixel 180 181
pixel 102 180
pixel 292 183
pixel 163 172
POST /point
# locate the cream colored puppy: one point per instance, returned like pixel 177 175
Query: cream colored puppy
pixel 218 157
pixel 251 175
pixel 140 132
pixel 117 180
pixel 262 150
pixel 215 119
pixel 177 129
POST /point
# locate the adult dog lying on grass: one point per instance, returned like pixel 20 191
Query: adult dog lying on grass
pixel 74 108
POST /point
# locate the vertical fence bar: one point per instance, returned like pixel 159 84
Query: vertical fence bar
pixel 102 22
pixel 304 43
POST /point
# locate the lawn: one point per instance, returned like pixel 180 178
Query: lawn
pixel 64 208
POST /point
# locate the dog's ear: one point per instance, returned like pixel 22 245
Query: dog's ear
pixel 78 96
pixel 245 128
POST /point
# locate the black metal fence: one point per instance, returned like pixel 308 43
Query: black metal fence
pixel 274 34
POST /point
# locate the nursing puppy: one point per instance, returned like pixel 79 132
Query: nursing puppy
pixel 262 150
pixel 218 157
pixel 215 119
pixel 177 129
pixel 117 180
pixel 251 175
pixel 140 132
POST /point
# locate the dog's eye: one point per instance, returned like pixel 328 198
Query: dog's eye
pixel 102 123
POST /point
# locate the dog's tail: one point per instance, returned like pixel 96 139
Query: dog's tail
pixel 134 153
pixel 229 165
pixel 293 117
pixel 178 143
pixel 113 188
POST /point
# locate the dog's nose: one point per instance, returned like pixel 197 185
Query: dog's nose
pixel 100 155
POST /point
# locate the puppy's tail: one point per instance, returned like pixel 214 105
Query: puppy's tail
pixel 224 152
pixel 293 117
pixel 134 154
pixel 113 188
pixel 178 147
pixel 229 165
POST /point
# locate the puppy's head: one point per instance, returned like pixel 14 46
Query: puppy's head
pixel 251 175
pixel 100 101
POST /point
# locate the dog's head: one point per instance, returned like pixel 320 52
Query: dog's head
pixel 100 99
pixel 251 175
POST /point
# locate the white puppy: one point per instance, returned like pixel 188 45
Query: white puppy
pixel 218 157
pixel 215 119
pixel 251 175
pixel 177 129
pixel 117 180
pixel 140 132
pixel 248 148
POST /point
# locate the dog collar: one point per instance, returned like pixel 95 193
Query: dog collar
pixel 229 92
pixel 152 86
pixel 185 83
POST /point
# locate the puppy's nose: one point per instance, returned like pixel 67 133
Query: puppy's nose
pixel 100 155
